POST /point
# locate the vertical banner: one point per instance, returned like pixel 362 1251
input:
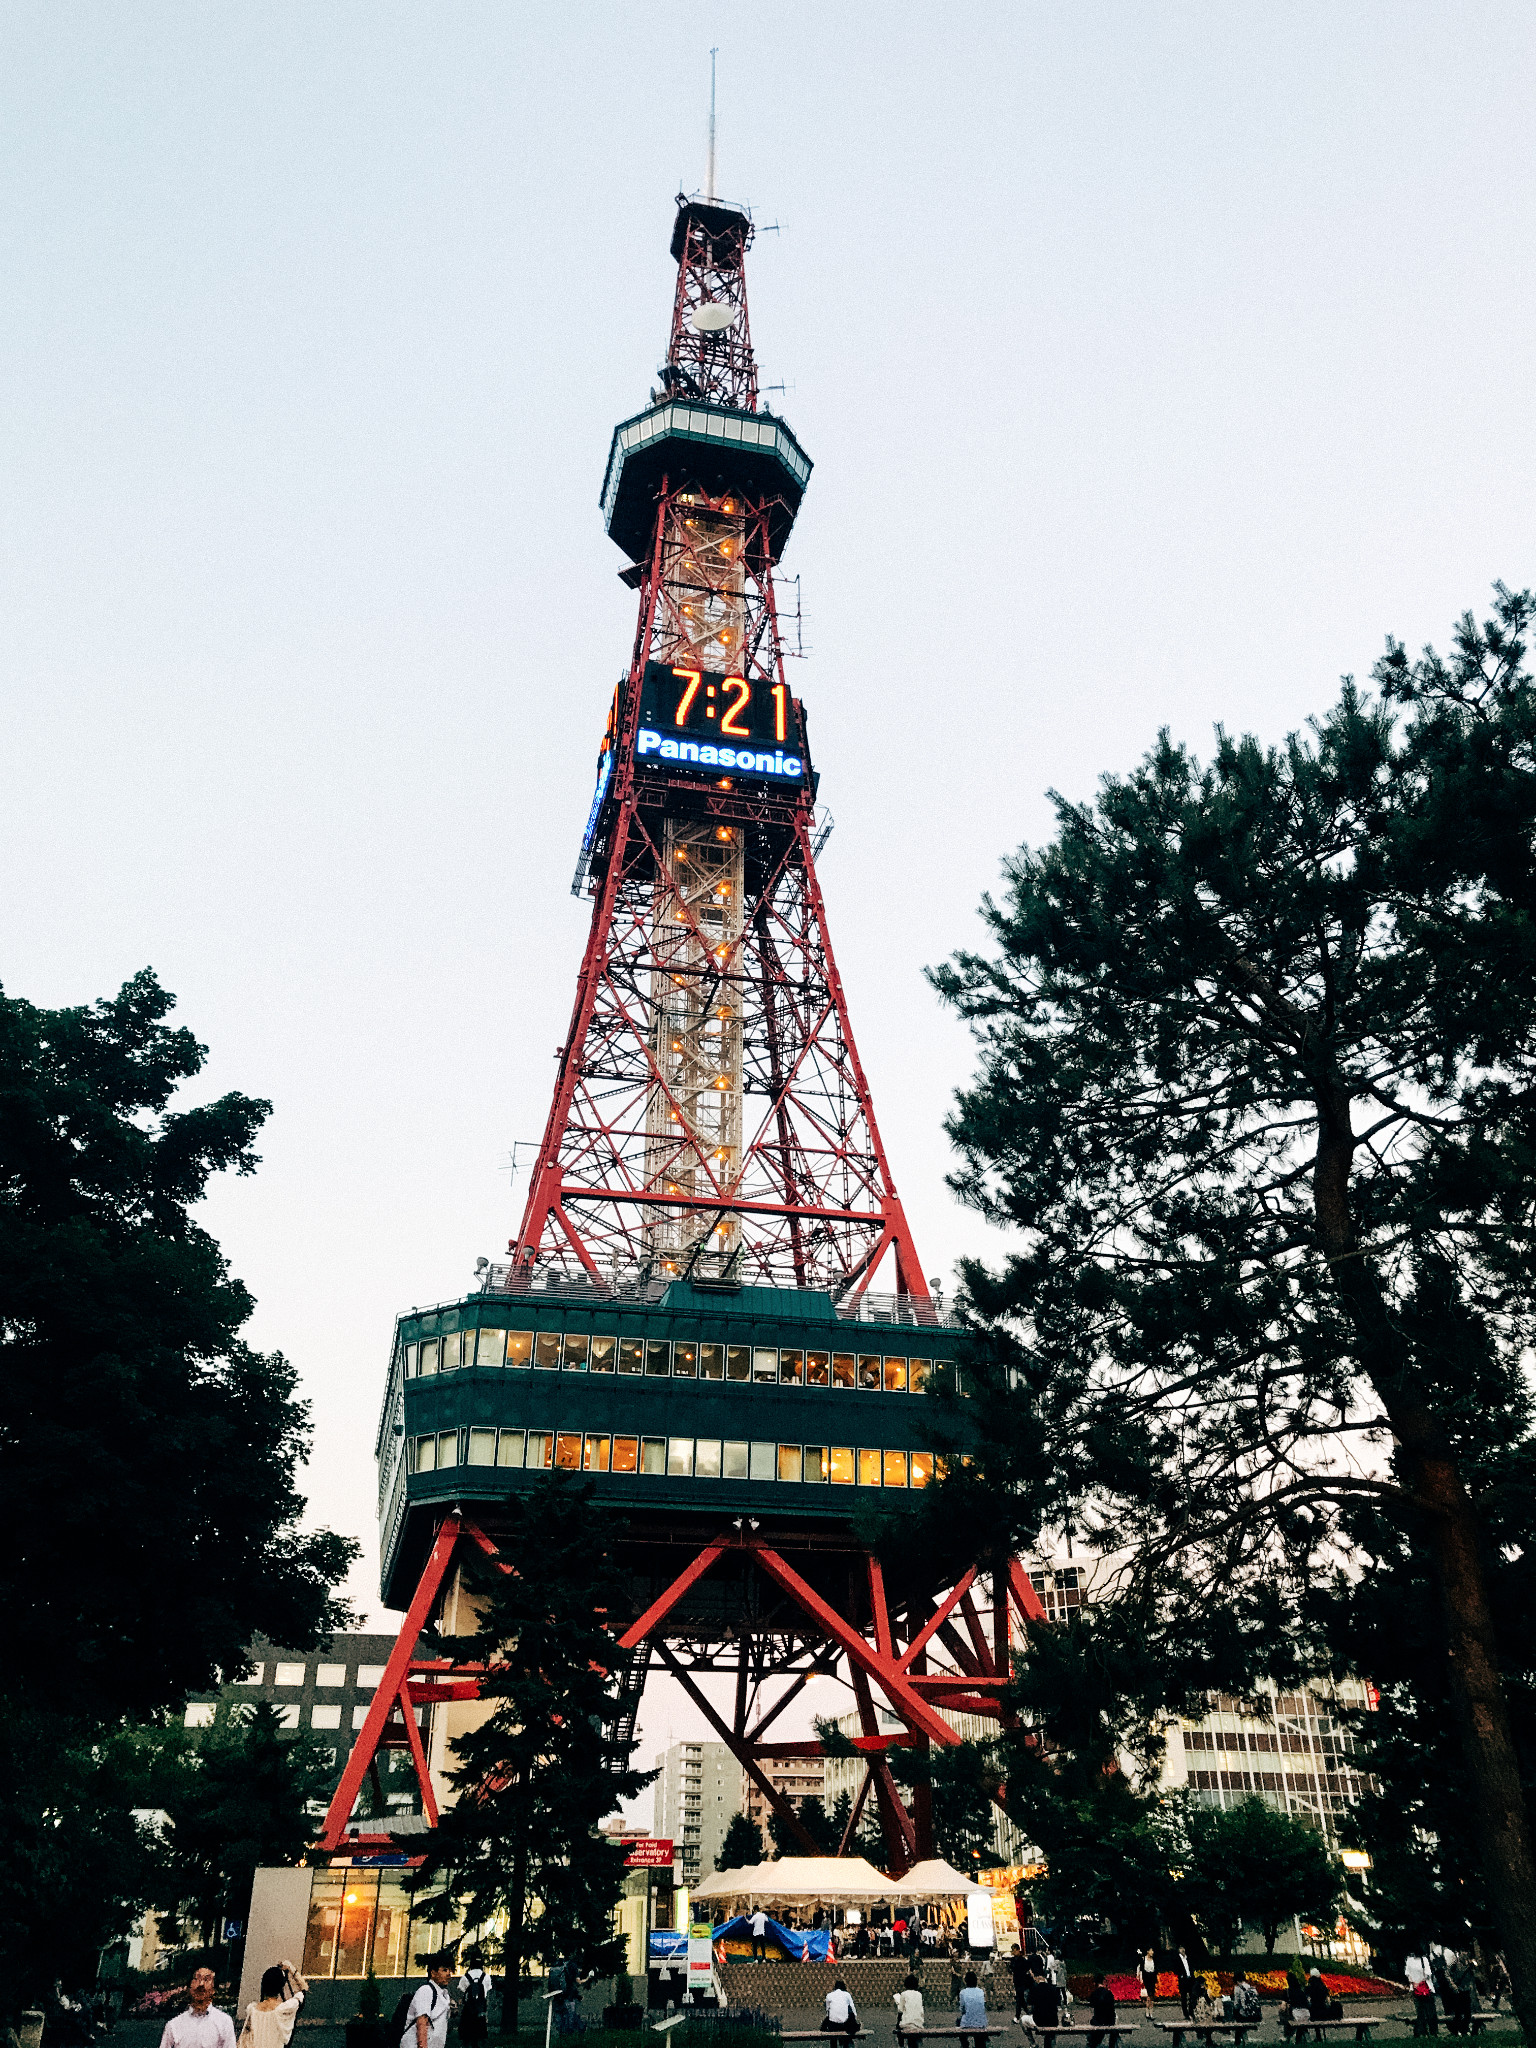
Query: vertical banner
pixel 701 1957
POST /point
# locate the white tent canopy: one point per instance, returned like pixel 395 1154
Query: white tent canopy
pixel 805 1880
pixel 934 1879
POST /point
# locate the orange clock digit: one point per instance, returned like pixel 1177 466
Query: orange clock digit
pixel 780 700
pixel 692 678
pixel 743 692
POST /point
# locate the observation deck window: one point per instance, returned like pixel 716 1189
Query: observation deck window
pixel 869 1468
pixel 706 1458
pixel 845 1370
pixel 653 1455
pixel 765 1366
pixel 519 1347
pixel 763 1462
pixel 870 1374
pixel 408 1357
pixel 738 1362
pixel 840 1461
pixel 568 1451
pixel 917 1374
pixel 658 1358
pixel 895 1468
pixel 490 1347
pixel 680 1457
pixel 482 1447
pixel 576 1348
pixel 631 1354
pixel 426 1454
pixel 685 1361
pixel 598 1451
pixel 733 1460
pixel 447 1448
pixel 604 1351
pixel 815 1464
pixel 509 1447
pixel 818 1368
pixel 453 1352
pixel 626 1454
pixel 541 1450
pixel 428 1365
pixel 895 1375
pixel 711 1361
pixel 791 1459
pixel 546 1350
pixel 791 1368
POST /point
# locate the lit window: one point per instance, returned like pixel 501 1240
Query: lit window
pixel 680 1457
pixel 519 1347
pixel 870 1374
pixel 840 1459
pixel 199 1714
pixel 918 1370
pixel 575 1355
pixel 818 1368
pixel 685 1361
pixel 791 1368
pixel 490 1347
pixel 653 1455
pixel 706 1458
pixel 541 1450
pixel 330 1674
pixel 595 1458
pixel 895 1375
pixel 546 1350
pixel 764 1461
pixel 482 1447
pixel 447 1448
pixel 568 1451
pixel 631 1354
pixel 733 1461
pixel 603 1353
pixel 626 1453
pixel 288 1674
pixel 790 1462
pixel 738 1362
pixel 815 1464
pixel 869 1468
pixel 325 1717
pixel 922 1467
pixel 895 1468
pixel 845 1371
pixel 765 1366
pixel 509 1447
pixel 711 1361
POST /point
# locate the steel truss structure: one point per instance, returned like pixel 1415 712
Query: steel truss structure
pixel 759 1606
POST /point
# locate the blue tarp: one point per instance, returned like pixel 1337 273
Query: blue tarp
pixel 805 1945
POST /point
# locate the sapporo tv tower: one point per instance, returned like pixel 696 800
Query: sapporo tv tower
pixel 687 1315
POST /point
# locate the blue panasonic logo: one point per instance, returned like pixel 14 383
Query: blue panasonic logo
pixel 746 761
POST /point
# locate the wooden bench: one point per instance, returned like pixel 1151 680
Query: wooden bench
pixel 946 2033
pixel 1114 2031
pixel 1480 2020
pixel 828 2034
pixel 1204 2029
pixel 1362 2022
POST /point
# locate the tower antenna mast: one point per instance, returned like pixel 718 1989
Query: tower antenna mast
pixel 709 167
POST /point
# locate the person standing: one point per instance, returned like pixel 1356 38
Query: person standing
pixel 203 2024
pixel 759 1925
pixel 973 2014
pixel 427 2015
pixel 1184 1969
pixel 475 2000
pixel 1499 1985
pixel 1018 1970
pixel 1146 1970
pixel 271 2019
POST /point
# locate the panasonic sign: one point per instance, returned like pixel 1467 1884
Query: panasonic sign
pixel 650 745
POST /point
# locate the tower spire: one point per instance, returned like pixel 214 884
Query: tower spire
pixel 709 162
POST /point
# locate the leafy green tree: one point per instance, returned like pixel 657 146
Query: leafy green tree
pixel 1258 1091
pixel 149 1511
pixel 535 1778
pixel 816 1821
pixel 866 1841
pixel 743 1845
pixel 236 1796
pixel 1251 1864
pixel 961 1782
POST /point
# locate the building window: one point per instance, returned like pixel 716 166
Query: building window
pixel 482 1447
pixel 330 1674
pixel 288 1674
pixel 509 1447
pixel 199 1714
pixel 370 1675
pixel 519 1347
pixel 288 1717
pixel 325 1717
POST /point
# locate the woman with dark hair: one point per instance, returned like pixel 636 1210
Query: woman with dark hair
pixel 270 2019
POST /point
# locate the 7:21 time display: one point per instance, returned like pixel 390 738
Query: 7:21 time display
pixel 732 709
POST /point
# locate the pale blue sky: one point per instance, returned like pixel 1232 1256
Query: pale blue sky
pixel 1156 361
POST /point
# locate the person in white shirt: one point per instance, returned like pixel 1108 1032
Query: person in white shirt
pixel 759 1935
pixel 841 2015
pixel 909 2009
pixel 270 2020
pixel 426 2021
pixel 202 2025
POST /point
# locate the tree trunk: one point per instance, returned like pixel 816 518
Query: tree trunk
pixel 1476 1686
pixel 512 1954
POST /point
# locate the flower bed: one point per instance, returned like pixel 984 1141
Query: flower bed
pixel 1126 1989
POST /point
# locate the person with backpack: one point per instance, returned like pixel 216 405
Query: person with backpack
pixel 1246 2007
pixel 475 1997
pixel 421 2017
pixel 1101 2012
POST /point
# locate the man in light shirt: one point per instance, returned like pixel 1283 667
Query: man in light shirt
pixel 426 2023
pixel 202 2025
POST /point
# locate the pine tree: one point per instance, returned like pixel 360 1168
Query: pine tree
pixel 533 1780
pixel 743 1845
pixel 1258 1061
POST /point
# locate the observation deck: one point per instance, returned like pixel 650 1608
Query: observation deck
pixel 716 446
pixel 676 1401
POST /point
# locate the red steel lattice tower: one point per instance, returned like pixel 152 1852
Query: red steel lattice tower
pixel 711 1119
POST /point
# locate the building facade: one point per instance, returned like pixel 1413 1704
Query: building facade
pixel 696 1795
pixel 798 1778
pixel 1293 1749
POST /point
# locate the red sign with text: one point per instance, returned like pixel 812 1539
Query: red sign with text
pixel 654 1853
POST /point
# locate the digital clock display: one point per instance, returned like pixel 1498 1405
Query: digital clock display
pixel 738 723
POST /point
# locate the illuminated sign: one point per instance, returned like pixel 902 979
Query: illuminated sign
pixel 739 724
pixel 604 773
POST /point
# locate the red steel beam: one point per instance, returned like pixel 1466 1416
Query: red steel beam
pixel 660 1609
pixel 1030 1605
pixel 936 1620
pixel 741 1752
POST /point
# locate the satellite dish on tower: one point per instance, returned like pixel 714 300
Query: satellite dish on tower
pixel 712 318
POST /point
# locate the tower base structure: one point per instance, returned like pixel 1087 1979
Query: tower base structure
pixel 735 1431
